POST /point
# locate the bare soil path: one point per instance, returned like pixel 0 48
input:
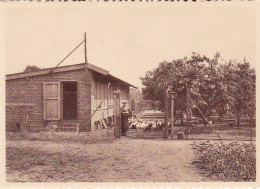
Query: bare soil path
pixel 123 160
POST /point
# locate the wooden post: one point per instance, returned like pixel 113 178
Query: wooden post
pixel 188 113
pixel 173 95
pixel 108 86
pixel 204 117
pixel 166 113
pixel 188 116
pixel 85 48
pixel 117 114
pixel 85 52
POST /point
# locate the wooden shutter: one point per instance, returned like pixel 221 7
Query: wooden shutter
pixel 51 100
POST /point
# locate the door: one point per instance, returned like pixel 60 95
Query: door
pixel 51 101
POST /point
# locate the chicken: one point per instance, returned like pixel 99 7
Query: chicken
pixel 133 125
pixel 142 125
pixel 149 127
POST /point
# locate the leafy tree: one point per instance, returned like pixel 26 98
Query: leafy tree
pixel 213 84
pixel 31 68
pixel 176 76
pixel 239 79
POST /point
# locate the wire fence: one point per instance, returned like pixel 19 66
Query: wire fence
pixel 198 133
pixel 144 127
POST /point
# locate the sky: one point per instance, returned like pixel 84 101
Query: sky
pixel 126 40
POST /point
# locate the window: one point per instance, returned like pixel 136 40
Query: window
pixel 51 100
pixel 103 94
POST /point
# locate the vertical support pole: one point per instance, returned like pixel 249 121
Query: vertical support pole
pixel 117 115
pixel 108 86
pixel 172 116
pixel 85 53
pixel 187 106
pixel 85 48
pixel 166 113
pixel 188 114
pixel 172 112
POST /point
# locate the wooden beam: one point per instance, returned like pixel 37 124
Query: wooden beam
pixel 97 69
pixel 57 70
pixel 104 123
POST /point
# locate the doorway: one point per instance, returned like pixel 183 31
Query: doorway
pixel 69 100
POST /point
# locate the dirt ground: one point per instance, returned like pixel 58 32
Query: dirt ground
pixel 123 160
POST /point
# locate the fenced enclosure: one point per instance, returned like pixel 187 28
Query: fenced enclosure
pixel 219 130
pixel 225 129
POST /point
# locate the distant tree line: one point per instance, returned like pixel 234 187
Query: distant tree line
pixel 227 88
pixel 31 68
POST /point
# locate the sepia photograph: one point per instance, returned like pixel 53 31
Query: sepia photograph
pixel 130 93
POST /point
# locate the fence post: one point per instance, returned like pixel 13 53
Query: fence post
pixel 188 113
pixel 166 113
pixel 173 96
pixel 117 115
pixel 108 86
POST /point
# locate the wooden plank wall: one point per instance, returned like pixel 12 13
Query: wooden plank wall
pixel 99 91
pixel 25 96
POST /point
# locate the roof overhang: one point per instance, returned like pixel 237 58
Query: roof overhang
pixel 45 71
pixel 116 78
pixel 64 69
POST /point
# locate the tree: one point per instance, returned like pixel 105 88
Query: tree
pixel 213 84
pixel 31 68
pixel 240 87
pixel 176 75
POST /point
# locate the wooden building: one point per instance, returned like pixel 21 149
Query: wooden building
pixel 76 94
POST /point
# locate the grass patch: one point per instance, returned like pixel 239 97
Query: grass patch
pixel 229 162
pixel 33 165
pixel 100 137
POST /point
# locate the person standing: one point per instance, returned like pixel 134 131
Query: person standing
pixel 124 118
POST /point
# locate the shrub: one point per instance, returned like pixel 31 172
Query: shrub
pixel 230 162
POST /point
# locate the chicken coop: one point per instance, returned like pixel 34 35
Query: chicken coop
pixel 76 95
